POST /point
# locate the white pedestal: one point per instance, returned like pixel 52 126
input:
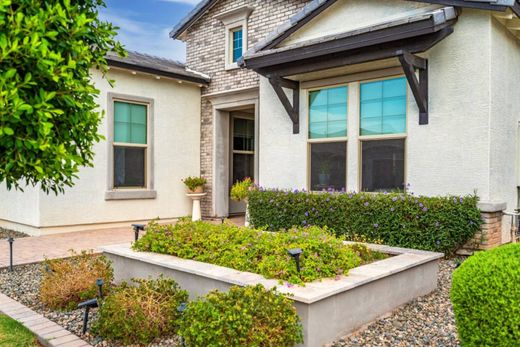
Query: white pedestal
pixel 196 212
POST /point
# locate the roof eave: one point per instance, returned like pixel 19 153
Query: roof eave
pixel 157 72
pixel 199 10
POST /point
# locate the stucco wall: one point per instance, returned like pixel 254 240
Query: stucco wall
pixel 449 155
pixel 176 141
pixel 505 116
pixel 17 206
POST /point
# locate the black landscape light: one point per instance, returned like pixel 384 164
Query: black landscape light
pixel 295 253
pixel 92 303
pixel 10 240
pixel 137 228
pixel 99 284
pixel 182 307
pixel 222 219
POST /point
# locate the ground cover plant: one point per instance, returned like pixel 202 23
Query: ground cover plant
pixel 244 316
pixel 441 224
pixel 486 298
pixel 245 249
pixel 141 313
pixel 67 282
pixel 14 334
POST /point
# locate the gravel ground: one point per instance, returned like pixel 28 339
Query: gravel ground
pixel 5 233
pixel 427 321
pixel 23 286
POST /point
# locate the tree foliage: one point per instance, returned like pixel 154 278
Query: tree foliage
pixel 48 112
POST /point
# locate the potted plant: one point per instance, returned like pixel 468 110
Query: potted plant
pixel 240 192
pixel 194 184
pixel 324 176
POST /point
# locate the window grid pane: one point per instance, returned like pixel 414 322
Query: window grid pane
pixel 328 113
pixel 130 123
pixel 129 167
pixel 383 107
pixel 237 44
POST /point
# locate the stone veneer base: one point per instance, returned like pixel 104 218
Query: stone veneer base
pixel 328 309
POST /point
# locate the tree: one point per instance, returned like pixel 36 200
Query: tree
pixel 48 113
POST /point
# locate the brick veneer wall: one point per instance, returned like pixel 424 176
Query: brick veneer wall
pixel 205 52
pixel 490 234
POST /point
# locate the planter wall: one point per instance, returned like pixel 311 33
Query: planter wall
pixel 328 309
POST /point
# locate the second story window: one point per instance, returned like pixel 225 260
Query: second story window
pixel 237 43
pixel 235 26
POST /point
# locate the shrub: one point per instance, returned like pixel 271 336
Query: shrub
pixel 139 314
pixel 486 298
pixel 67 282
pixel 440 224
pixel 248 316
pixel 255 251
pixel 193 183
pixel 240 190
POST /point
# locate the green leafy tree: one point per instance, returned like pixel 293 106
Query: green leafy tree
pixel 48 113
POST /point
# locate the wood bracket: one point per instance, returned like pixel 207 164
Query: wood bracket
pixel 419 87
pixel 293 110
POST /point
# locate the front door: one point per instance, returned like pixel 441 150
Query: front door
pixel 242 157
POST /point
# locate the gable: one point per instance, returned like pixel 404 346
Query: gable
pixel 350 15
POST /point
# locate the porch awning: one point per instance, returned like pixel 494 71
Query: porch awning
pixel 400 38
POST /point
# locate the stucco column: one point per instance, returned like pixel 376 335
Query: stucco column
pixel 353 137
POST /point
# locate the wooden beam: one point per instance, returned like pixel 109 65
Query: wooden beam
pixel 293 110
pixel 419 86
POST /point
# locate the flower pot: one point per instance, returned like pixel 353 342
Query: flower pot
pixel 324 179
pixel 197 190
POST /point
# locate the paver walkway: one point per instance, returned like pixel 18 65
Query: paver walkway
pixel 29 250
pixel 47 332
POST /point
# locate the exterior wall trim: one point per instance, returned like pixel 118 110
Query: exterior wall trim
pixel 489 207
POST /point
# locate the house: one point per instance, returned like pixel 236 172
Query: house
pixel 152 127
pixel 346 94
pixel 360 95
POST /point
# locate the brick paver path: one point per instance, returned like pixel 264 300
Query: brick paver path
pixel 29 250
pixel 48 333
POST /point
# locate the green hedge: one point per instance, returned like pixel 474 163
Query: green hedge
pixel 251 250
pixel 440 224
pixel 248 316
pixel 486 298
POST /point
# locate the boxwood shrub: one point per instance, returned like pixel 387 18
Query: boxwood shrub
pixel 486 298
pixel 244 316
pixel 440 224
pixel 251 250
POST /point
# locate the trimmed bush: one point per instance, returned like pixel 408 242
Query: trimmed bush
pixel 67 282
pixel 248 316
pixel 139 314
pixel 251 250
pixel 486 298
pixel 441 224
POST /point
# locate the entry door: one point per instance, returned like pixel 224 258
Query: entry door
pixel 242 161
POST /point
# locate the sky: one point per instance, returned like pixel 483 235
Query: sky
pixel 145 24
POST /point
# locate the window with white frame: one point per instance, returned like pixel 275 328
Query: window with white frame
pixel 382 134
pixel 328 109
pixel 235 24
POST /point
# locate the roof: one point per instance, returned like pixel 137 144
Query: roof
pixel 157 66
pixel 315 7
pixel 438 17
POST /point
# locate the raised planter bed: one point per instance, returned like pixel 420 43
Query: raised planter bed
pixel 328 309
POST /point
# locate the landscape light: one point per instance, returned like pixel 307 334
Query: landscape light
pixel 295 253
pixel 99 284
pixel 10 240
pixel 137 228
pixel 92 303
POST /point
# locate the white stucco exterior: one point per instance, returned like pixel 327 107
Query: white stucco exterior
pixel 176 143
pixel 471 141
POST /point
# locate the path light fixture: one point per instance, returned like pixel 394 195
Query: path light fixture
pixel 295 253
pixel 137 228
pixel 182 307
pixel 10 240
pixel 92 303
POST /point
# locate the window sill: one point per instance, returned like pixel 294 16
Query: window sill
pixel 232 66
pixel 130 194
